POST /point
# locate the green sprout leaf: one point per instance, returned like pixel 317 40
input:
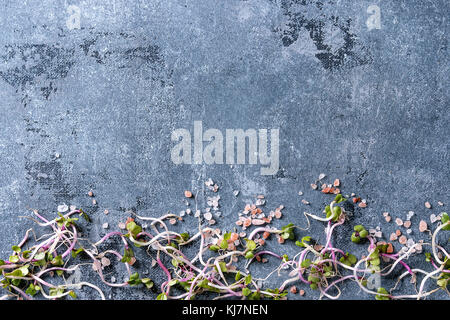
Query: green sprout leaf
pixel 248 279
pixel 75 253
pixel 13 258
pixel 249 255
pixel 287 232
pixel 246 292
pixel 161 296
pixel 185 236
pixel 360 233
pixel 224 244
pixel 381 296
pixel 134 279
pixel 348 259
pixel 56 291
pixel 303 242
pixel 84 215
pixel 306 263
pixel 339 198
pixel 134 228
pixel 128 254
pixel 445 220
pixel 214 248
pixel 147 282
pixel 57 261
pixel 250 244
pixel 32 289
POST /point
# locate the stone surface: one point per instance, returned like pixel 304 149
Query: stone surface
pixel 93 109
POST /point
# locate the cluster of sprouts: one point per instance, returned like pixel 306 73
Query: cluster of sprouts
pixel 213 268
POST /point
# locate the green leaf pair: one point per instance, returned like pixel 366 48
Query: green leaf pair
pixel 20 272
pixel 339 198
pixel 32 289
pixel 127 255
pixel 303 242
pixel 333 215
pixel 360 233
pixel 348 259
pixel 133 228
pixel 287 232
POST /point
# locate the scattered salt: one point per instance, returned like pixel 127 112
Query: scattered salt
pixel 63 208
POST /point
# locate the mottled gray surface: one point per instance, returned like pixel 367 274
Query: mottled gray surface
pixel 367 106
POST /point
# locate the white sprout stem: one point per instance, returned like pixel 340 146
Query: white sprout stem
pixel 422 284
pixel 433 242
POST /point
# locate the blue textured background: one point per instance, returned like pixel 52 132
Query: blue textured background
pixel 367 106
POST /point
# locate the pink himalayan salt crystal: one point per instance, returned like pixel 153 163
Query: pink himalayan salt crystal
pixel 258 222
pixel 423 226
pixel 393 237
pixel 399 221
pixel 403 240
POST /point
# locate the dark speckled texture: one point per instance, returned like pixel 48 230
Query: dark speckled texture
pixel 367 106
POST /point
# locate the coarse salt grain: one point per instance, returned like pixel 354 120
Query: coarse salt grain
pixel 402 240
pixel 207 216
pixel 188 194
pixel 258 222
pixel 399 221
pixel 428 205
pixel 410 243
pixel 362 205
pixel 423 226
pixel 105 262
pixel 62 208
